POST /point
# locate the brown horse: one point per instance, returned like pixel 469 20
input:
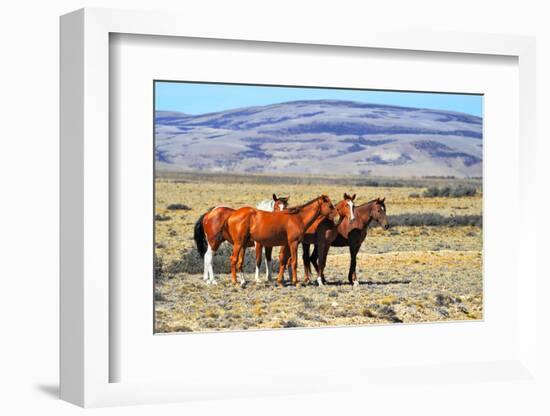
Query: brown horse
pixel 321 233
pixel 208 233
pixel 271 229
pixel 351 232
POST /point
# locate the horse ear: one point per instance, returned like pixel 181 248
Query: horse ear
pixel 274 197
pixel 353 197
pixel 346 196
pixel 383 200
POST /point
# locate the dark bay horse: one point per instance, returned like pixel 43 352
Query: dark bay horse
pixel 320 236
pixel 348 233
pixel 271 229
pixel 208 233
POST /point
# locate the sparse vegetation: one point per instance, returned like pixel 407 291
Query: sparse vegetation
pixel 178 207
pixel 450 192
pixel 432 219
pixel 159 217
pixel 426 267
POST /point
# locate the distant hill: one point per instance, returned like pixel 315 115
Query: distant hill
pixel 329 137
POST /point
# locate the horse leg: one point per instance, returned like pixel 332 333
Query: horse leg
pixel 314 257
pixel 307 264
pixel 294 261
pixel 354 245
pixel 283 259
pixel 323 262
pixel 207 262
pixel 234 260
pixel 240 265
pixel 258 260
pixel 268 251
pixel 319 252
pixel 352 276
pixel 208 259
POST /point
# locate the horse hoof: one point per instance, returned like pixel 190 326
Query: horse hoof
pixel 213 282
pixel 356 283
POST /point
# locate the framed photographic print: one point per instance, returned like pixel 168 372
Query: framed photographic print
pixel 223 152
pixel 242 210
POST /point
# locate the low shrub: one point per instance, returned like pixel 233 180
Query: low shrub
pixel 183 207
pixel 158 267
pixel 191 262
pixel 434 219
pixel 375 183
pixel 447 191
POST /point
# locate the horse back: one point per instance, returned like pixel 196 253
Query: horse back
pixel 214 221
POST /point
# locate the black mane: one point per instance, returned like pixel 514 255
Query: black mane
pixel 297 208
pixel 372 201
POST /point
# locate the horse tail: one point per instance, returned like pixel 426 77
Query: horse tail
pixel 200 237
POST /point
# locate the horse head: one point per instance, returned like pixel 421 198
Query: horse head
pixel 326 208
pixel 280 203
pixel 378 212
pixel 346 207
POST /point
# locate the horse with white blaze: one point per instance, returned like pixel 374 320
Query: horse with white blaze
pixel 209 234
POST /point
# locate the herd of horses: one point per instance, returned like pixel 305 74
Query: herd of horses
pixel 272 223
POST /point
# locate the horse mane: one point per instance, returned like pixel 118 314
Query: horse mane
pixel 298 208
pixel 372 201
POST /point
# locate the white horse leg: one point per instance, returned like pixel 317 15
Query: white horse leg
pixel 206 264
pixel 241 278
pixel 208 270
pixel 211 270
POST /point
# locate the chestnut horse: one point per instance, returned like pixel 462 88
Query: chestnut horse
pixel 344 208
pixel 208 236
pixel 351 232
pixel 271 229
pixel 270 205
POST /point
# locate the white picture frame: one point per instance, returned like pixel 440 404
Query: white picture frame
pixel 85 210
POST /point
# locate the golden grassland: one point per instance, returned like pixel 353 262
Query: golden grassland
pixel 407 274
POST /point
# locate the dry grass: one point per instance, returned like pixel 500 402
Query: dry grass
pixel 409 274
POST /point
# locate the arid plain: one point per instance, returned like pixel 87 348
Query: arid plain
pixel 427 267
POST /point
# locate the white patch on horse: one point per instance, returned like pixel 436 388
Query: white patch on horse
pixel 352 214
pixel 266 205
pixel 208 270
pixel 241 278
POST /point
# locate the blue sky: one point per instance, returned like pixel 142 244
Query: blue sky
pixel 197 98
